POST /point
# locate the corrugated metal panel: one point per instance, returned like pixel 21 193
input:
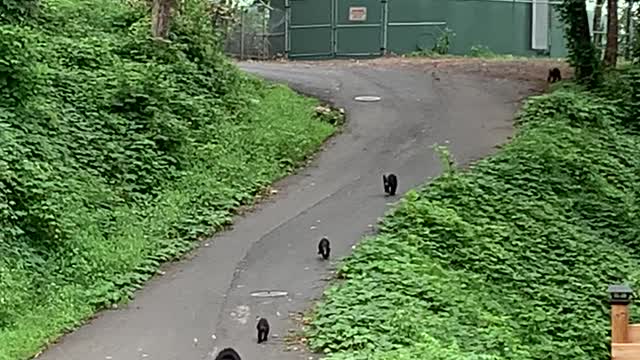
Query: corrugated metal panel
pixel 518 27
pixel 310 28
pixel 358 27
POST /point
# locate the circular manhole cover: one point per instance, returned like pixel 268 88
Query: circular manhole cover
pixel 367 98
pixel 269 293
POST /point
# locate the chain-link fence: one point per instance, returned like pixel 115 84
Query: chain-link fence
pixel 258 34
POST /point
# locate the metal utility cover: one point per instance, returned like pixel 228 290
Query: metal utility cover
pixel 269 293
pixel 367 98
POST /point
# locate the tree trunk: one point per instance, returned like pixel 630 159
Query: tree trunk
pixel 611 52
pixel 161 18
pixel 597 23
pixel 585 71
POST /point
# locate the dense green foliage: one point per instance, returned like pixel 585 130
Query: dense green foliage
pixel 17 11
pixel 117 152
pixel 509 260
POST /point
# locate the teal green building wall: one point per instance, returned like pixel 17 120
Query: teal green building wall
pixel 311 28
pixel 321 28
pixel 557 44
pixel 504 27
pixel 362 38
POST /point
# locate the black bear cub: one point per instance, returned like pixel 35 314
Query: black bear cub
pixel 390 184
pixel 263 330
pixel 554 75
pixel 323 248
pixel 228 354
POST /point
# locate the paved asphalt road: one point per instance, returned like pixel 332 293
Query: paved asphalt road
pixel 338 195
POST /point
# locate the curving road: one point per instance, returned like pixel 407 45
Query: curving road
pixel 339 194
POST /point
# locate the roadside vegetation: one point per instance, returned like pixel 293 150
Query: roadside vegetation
pixel 509 259
pixel 118 151
pixel 440 50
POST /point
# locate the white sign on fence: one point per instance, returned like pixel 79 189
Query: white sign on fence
pixel 357 13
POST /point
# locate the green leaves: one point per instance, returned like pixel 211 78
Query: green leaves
pixel 509 260
pixel 17 10
pixel 117 154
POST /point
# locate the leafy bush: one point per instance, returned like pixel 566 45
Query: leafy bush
pixel 481 51
pixel 17 10
pixel 509 260
pixel 623 89
pixel 117 152
pixel 441 47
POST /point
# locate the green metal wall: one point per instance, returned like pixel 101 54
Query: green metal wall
pixel 321 28
pixel 358 38
pixel 414 25
pixel 310 28
pixel 557 46
pixel 502 26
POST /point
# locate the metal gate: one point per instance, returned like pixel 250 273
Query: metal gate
pixel 359 28
pixel 334 28
pixel 368 28
pixel 310 30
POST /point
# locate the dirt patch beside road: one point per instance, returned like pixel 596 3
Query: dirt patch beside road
pixel 532 71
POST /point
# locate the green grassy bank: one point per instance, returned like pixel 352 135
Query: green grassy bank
pixel 510 259
pixel 117 152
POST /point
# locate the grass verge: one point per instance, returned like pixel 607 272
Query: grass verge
pixel 508 260
pixel 107 268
